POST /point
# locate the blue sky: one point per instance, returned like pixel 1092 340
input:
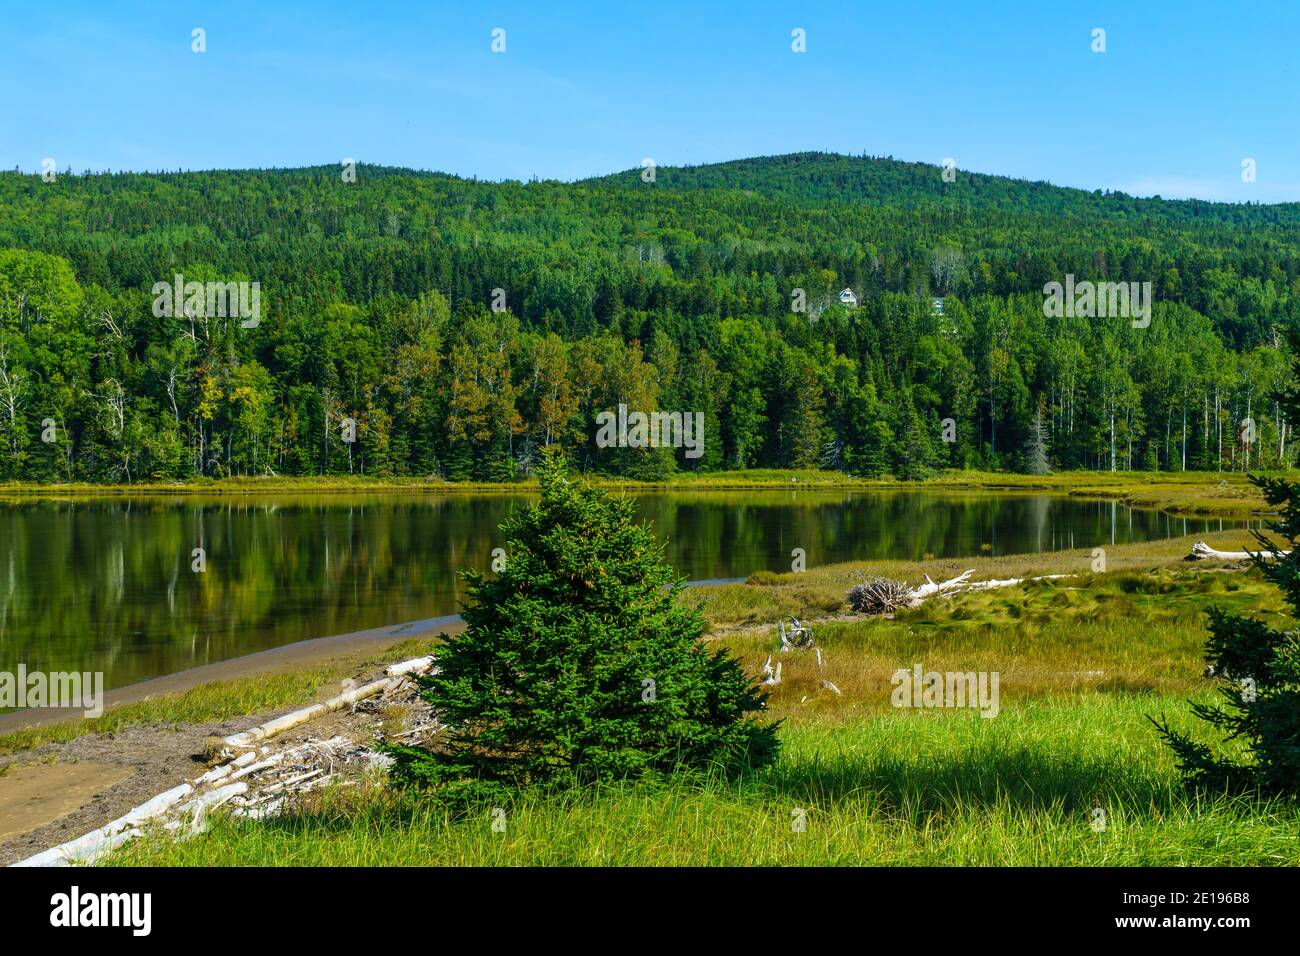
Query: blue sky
pixel 1184 92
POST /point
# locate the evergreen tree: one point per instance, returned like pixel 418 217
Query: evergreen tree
pixel 916 453
pixel 1260 665
pixel 578 664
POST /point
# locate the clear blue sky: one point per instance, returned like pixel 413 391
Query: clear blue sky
pixel 1185 91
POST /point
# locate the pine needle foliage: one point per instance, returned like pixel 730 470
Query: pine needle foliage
pixel 578 664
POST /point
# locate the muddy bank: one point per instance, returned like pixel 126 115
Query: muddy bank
pixel 130 767
pixel 33 794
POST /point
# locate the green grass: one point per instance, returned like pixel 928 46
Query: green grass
pixel 1178 492
pixel 753 478
pixel 216 701
pixel 1191 493
pixel 766 597
pixel 900 788
pixel 1083 663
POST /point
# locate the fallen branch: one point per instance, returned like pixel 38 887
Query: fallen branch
pixel 1007 582
pixel 213 798
pixel 929 588
pixel 262 811
pixel 225 770
pixel 1202 552
pixel 295 780
pixel 259 766
pixel 416 666
pixel 253 736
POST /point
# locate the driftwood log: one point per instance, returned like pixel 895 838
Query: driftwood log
pixel 251 737
pixel 1203 552
pixel 394 672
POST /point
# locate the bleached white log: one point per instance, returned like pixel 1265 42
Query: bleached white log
pixel 294 780
pixel 278 726
pixel 225 770
pixel 929 588
pixel 259 766
pixel 109 845
pixel 1202 551
pixel 85 848
pixel 1008 582
pixel 884 595
pixel 261 732
pixel 316 784
pixel 213 798
pixel 196 810
pixel 416 666
pixel 261 811
pixel 84 853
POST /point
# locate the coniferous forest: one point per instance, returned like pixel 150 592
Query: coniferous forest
pixel 420 324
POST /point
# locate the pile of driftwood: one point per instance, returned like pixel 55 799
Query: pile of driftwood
pixel 253 779
pixel 880 596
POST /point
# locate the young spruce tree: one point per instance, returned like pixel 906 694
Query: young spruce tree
pixel 578 664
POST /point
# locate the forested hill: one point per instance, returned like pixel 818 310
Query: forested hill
pixel 376 307
pixel 818 178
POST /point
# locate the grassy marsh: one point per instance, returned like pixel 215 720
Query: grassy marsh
pixel 1083 662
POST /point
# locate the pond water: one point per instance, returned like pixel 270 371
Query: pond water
pixel 106 584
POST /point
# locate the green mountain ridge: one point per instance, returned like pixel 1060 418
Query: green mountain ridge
pixel 880 180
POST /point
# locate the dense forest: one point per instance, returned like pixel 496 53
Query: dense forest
pixel 422 324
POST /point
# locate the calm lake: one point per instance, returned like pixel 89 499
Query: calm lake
pixel 106 585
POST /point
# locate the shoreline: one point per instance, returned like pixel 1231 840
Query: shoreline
pixel 1189 494
pixel 274 660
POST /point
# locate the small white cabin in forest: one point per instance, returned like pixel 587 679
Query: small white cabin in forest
pixel 848 298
